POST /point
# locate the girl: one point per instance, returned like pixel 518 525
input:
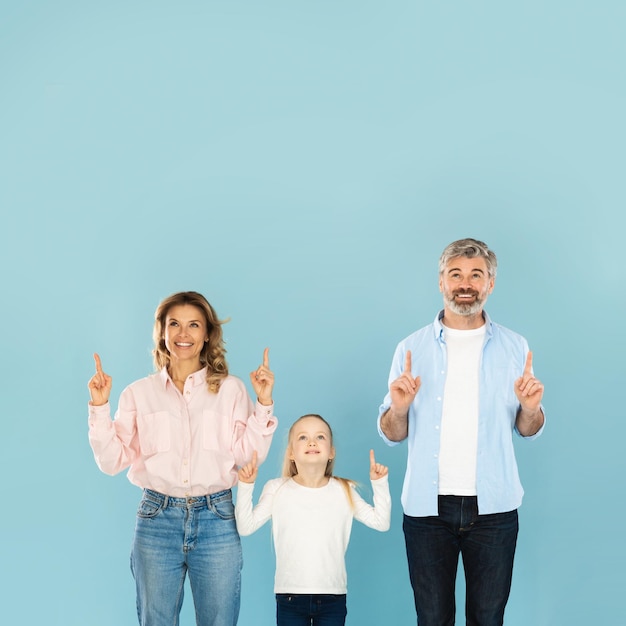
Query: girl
pixel 182 432
pixel 311 513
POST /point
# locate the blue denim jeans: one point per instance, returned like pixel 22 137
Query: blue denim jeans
pixel 179 536
pixel 310 609
pixel 487 546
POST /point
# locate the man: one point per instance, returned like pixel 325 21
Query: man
pixel 458 388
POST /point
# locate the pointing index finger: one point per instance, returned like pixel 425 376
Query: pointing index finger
pixel 372 459
pixel 407 362
pixel 266 357
pixel 255 457
pixel 96 358
pixel 528 368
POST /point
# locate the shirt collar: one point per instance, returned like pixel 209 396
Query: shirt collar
pixel 197 378
pixel 438 326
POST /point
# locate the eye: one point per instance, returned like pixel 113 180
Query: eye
pixel 321 437
pixel 194 324
pixel 301 437
pixel 173 323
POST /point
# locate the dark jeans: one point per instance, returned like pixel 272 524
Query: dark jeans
pixel 487 545
pixel 310 609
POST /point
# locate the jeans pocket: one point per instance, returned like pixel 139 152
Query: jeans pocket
pixel 148 508
pixel 223 508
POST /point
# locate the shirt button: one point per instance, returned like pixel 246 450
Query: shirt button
pixel 437 427
pixel 185 481
pixel 438 399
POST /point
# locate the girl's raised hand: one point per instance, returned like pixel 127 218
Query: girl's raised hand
pixel 99 385
pixel 249 471
pixel 262 380
pixel 376 469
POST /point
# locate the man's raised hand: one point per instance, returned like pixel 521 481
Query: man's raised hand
pixel 404 388
pixel 528 389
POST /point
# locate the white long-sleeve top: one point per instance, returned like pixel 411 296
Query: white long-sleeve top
pixel 311 529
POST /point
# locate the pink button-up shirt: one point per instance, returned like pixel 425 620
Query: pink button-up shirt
pixel 181 444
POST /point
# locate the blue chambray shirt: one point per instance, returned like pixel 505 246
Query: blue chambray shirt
pixel 497 480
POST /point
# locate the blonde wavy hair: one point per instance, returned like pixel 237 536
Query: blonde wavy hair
pixel 213 354
pixel 289 466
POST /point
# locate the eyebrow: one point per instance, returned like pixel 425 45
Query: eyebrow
pixel 304 432
pixel 458 269
pixel 173 319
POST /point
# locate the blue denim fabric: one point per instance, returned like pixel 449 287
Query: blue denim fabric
pixel 176 536
pixel 487 546
pixel 310 609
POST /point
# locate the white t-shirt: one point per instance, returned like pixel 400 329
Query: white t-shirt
pixel 459 423
pixel 311 529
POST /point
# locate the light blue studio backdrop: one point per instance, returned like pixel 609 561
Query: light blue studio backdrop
pixel 303 164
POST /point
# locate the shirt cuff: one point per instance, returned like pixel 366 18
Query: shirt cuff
pixel 99 414
pixel 264 413
pixel 380 481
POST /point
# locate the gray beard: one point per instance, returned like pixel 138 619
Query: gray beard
pixel 464 309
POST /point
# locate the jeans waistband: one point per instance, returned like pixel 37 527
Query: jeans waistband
pixel 195 501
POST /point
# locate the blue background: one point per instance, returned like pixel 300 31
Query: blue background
pixel 303 164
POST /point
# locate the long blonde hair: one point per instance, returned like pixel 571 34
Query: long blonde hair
pixel 290 469
pixel 213 354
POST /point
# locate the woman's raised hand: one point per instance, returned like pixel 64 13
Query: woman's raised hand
pixel 262 380
pixel 99 385
pixel 249 471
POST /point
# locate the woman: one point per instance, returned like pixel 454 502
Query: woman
pixel 182 432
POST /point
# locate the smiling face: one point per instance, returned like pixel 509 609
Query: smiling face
pixel 465 284
pixel 310 443
pixel 185 333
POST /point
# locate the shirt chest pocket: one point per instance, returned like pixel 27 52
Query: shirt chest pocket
pixel 154 431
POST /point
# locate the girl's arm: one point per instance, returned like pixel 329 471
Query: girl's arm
pixel 379 515
pixel 248 518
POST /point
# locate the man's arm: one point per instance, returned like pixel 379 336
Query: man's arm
pixel 395 426
pixel 529 423
pixel 529 392
pixel 395 421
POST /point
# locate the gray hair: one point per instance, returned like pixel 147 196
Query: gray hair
pixel 469 248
